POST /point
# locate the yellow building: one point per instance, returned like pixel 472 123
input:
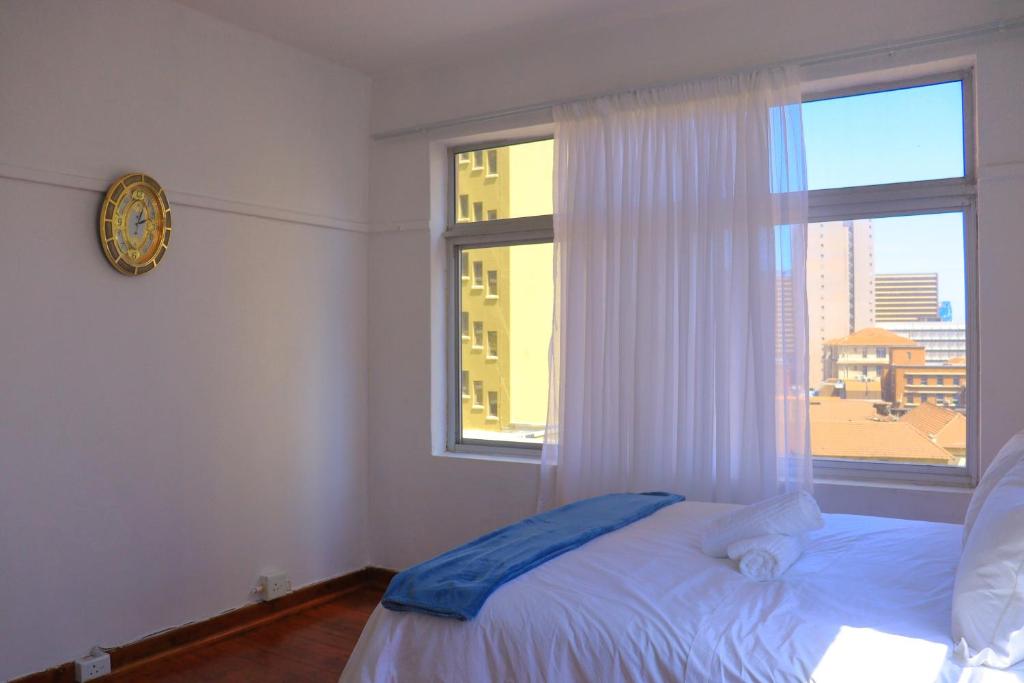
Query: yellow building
pixel 506 294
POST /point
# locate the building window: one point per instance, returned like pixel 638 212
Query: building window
pixel 891 211
pixel 464 324
pixel 464 159
pixel 463 207
pixel 478 334
pixel 492 163
pixel 492 345
pixel 465 384
pixel 492 405
pixel 516 309
pixel 492 284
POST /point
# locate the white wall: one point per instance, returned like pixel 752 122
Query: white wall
pixel 424 503
pixel 166 437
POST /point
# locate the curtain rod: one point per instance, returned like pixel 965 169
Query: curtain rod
pixel 982 30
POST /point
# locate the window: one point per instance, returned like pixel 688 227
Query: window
pixel 465 385
pixel 890 256
pixel 492 405
pixel 492 163
pixel 505 246
pixel 492 284
pixel 464 324
pixel 463 159
pixel 889 136
pixel 492 345
pixel 463 207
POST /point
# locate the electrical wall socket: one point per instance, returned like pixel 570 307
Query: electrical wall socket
pixel 93 666
pixel 274 585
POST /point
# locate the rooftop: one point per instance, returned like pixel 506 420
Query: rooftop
pixel 946 427
pixel 875 440
pixel 872 336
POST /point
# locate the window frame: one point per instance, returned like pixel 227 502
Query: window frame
pixel 502 232
pixel 914 198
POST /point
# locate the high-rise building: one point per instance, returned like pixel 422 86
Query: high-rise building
pixel 906 297
pixel 840 286
pixel 505 294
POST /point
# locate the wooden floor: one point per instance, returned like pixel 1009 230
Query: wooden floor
pixel 312 645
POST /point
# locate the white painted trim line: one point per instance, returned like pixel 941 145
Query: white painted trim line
pixel 197 201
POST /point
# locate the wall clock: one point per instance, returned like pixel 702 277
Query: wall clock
pixel 135 224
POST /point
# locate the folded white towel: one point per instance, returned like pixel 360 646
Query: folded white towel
pixel 791 513
pixel 766 557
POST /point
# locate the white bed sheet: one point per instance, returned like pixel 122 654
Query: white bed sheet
pixel 869 601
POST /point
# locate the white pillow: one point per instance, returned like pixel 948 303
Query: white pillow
pixel 988 596
pixel 1009 455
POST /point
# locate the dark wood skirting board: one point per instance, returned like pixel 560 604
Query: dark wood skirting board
pixel 182 638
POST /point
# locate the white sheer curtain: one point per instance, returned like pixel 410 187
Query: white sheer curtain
pixel 679 349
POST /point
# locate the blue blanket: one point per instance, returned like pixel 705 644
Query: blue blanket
pixel 457 583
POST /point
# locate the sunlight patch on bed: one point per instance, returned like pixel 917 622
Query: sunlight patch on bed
pixel 903 658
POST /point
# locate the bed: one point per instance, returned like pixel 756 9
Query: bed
pixel 869 600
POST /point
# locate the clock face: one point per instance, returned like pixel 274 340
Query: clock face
pixel 135 224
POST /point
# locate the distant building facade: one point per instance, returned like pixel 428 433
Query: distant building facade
pixel 860 362
pixel 504 343
pixel 942 341
pixel 840 286
pixel 912 383
pixel 906 297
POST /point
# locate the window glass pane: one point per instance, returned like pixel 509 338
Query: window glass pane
pixel 508 364
pixel 888 339
pixel 513 182
pixel 887 137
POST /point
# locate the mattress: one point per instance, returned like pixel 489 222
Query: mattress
pixel 869 601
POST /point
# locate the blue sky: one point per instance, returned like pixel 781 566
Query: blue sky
pixel 896 136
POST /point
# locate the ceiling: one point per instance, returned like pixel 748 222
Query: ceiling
pixel 376 36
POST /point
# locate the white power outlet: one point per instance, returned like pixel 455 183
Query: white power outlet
pixel 95 665
pixel 274 585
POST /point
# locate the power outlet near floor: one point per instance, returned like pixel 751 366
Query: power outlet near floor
pixel 93 666
pixel 273 585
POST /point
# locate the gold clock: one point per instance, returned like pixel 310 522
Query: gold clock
pixel 135 224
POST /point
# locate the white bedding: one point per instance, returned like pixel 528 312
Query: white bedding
pixel 868 601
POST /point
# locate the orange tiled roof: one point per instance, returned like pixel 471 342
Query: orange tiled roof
pixel 947 427
pixel 871 440
pixel 832 409
pixel 872 336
